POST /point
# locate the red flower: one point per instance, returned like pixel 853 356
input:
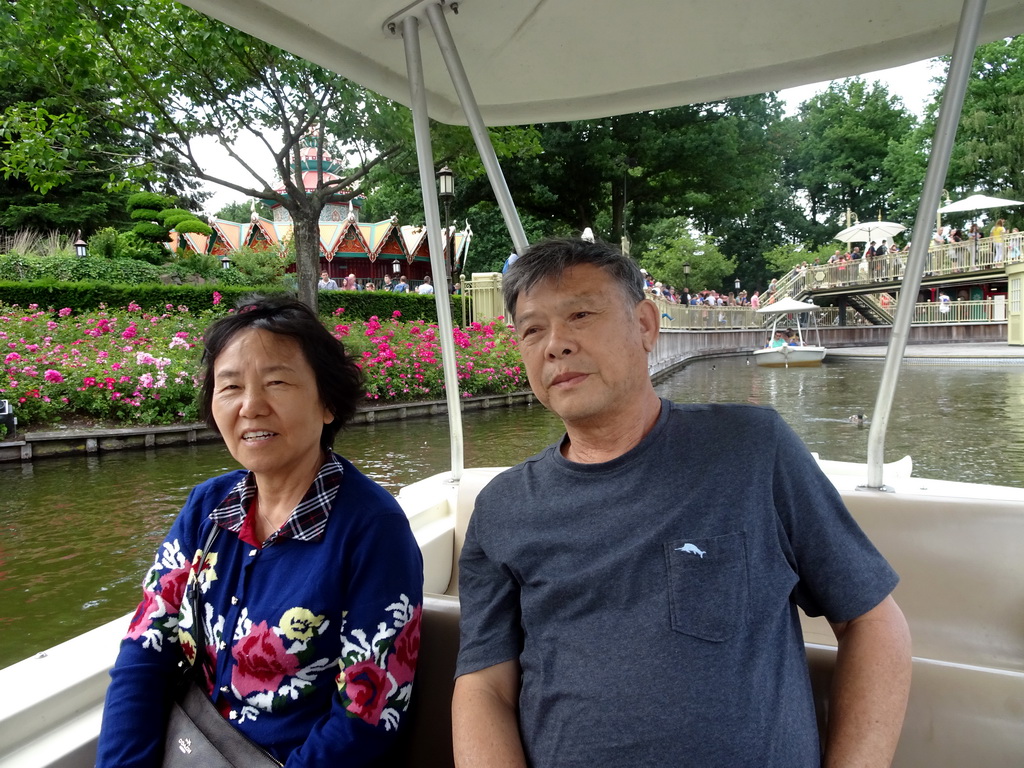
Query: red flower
pixel 402 660
pixel 143 616
pixel 172 586
pixel 262 662
pixel 366 687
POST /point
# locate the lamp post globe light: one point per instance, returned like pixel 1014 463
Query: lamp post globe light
pixel 81 248
pixel 737 285
pixel 446 192
pixel 686 269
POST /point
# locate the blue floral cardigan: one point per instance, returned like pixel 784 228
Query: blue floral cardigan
pixel 312 636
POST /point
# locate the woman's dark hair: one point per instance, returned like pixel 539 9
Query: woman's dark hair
pixel 339 381
pixel 551 258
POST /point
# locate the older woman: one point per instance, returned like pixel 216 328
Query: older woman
pixel 310 596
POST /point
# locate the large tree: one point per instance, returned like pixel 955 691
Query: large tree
pixel 844 136
pixel 988 155
pixel 172 76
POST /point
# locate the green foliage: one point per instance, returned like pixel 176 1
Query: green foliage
pixel 782 258
pixel 148 230
pixel 263 267
pixel 842 140
pixel 194 226
pixel 988 156
pixel 150 200
pixel 103 244
pixel 29 133
pixel 131 246
pixel 87 296
pixel 366 304
pixel 241 211
pixel 491 244
pixel 202 264
pixel 671 244
pixel 170 217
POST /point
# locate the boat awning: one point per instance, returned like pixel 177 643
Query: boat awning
pixel 554 60
pixel 786 306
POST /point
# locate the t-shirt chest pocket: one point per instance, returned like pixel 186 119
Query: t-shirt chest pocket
pixel 707 585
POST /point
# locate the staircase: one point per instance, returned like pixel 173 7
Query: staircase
pixel 869 305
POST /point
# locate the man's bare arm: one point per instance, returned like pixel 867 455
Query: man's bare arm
pixel 869 689
pixel 485 723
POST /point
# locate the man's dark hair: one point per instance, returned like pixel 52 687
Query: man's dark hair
pixel 339 381
pixel 551 258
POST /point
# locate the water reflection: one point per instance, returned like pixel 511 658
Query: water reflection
pixel 77 534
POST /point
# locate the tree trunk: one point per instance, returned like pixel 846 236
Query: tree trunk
pixel 306 231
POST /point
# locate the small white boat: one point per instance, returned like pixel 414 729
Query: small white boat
pixel 793 350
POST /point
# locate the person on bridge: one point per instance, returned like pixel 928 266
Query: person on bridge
pixel 608 620
pixel 998 233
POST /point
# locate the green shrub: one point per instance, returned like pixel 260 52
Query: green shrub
pixel 171 216
pixel 131 246
pixel 147 200
pixel 195 226
pixel 263 267
pixel 152 232
pixel 104 243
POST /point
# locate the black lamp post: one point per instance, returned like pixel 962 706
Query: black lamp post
pixel 446 191
pixel 81 249
pixel 686 271
pixel 737 285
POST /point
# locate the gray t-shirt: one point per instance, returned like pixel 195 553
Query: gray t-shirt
pixel 651 600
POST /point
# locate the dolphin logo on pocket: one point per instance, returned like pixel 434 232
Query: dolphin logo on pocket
pixel 692 549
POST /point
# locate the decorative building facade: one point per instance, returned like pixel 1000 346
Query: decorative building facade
pixel 347 246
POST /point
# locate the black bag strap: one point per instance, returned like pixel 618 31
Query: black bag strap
pixel 189 670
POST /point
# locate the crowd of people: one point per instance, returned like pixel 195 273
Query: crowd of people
pixel 706 297
pixel 327 283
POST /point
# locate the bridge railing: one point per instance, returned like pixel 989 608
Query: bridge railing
pixel 484 290
pixel 946 259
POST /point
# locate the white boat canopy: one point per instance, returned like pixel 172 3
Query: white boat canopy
pixel 553 60
pixel 786 306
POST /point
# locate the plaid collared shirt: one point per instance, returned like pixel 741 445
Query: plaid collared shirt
pixel 308 519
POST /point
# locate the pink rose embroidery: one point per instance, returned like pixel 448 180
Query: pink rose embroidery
pixel 143 616
pixel 172 587
pixel 366 687
pixel 262 662
pixel 402 660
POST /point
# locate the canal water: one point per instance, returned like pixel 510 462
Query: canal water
pixel 77 533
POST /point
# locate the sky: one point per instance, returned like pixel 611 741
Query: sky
pixel 912 83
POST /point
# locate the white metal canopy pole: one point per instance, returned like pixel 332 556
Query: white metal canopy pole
pixel 938 164
pixel 432 211
pixel 452 60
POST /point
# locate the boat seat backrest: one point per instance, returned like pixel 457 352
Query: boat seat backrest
pixel 472 482
pixel 428 742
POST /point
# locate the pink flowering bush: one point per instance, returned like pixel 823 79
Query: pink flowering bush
pixel 128 366
pixel 402 361
pixel 125 366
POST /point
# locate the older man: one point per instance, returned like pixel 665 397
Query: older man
pixel 629 595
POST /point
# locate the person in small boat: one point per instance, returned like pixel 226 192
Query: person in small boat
pixel 778 341
pixel 610 621
pixel 311 594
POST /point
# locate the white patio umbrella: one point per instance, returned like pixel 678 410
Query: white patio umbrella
pixel 978 203
pixel 866 231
